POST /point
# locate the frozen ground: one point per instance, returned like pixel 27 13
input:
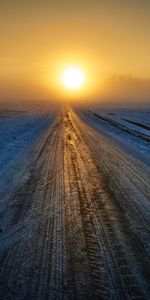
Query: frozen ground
pixel 77 224
pixel 129 127
pixel 20 128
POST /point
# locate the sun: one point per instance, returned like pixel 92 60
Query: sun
pixel 73 78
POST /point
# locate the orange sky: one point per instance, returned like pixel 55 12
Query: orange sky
pixel 105 38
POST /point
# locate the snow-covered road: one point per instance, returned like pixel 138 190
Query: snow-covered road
pixel 78 225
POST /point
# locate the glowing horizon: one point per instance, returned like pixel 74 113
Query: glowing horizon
pixel 108 41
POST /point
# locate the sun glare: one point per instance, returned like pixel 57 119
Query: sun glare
pixel 73 78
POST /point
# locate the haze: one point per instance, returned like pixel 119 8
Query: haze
pixel 109 40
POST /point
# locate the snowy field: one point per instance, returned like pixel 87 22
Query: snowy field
pixel 74 205
pixel 20 128
pixel 136 119
pixel 129 127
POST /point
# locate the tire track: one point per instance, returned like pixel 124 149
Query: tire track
pixel 41 194
pixel 66 235
pixel 121 260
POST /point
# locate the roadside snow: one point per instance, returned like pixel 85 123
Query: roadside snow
pixel 132 144
pixel 125 116
pixel 19 133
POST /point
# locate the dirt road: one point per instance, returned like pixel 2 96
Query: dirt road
pixel 78 226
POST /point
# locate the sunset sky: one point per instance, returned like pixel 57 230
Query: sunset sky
pixel 108 40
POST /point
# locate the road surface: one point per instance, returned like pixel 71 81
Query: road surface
pixel 78 226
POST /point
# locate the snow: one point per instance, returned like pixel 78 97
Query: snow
pixel 141 116
pixel 135 145
pixel 84 201
pixel 20 129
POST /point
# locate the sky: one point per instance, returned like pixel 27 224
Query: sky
pixel 109 40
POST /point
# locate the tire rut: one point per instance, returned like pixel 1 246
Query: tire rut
pixel 64 235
